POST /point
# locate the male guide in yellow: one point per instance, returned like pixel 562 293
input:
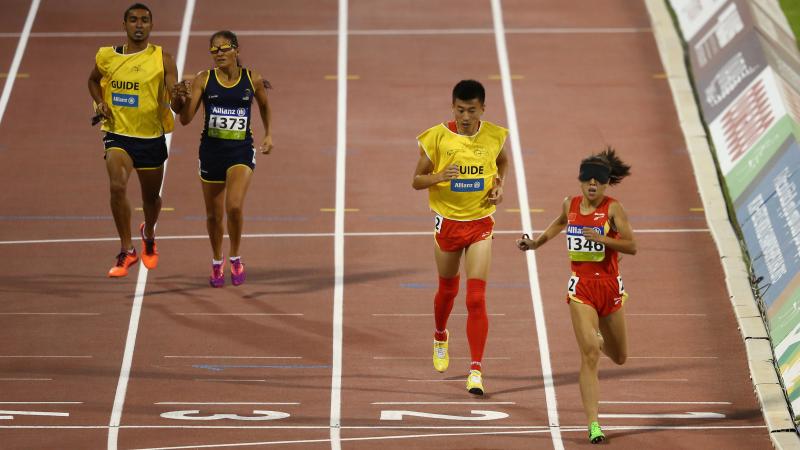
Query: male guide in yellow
pixel 462 164
pixel 133 86
pixel 464 197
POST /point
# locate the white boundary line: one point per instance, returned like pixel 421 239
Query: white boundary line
pixel 15 63
pixel 141 281
pixel 581 428
pixel 338 245
pixel 364 32
pixel 524 205
pixel 393 437
pixel 311 235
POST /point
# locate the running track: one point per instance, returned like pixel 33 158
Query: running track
pixel 330 336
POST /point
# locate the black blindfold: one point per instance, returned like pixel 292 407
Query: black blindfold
pixel 598 172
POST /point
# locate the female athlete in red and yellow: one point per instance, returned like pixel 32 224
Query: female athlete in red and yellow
pixel 597 230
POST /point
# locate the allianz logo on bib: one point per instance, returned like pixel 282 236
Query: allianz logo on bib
pixel 466 185
pixel 127 100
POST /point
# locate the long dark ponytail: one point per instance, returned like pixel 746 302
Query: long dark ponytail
pixel 609 158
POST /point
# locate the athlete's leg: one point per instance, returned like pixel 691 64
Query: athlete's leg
pixel 585 325
pixel 151 180
pixel 477 262
pixel 119 166
pixel 447 264
pixel 237 181
pixel 615 337
pixel 214 196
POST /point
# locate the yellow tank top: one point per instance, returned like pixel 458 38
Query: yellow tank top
pixel 133 88
pixel 464 197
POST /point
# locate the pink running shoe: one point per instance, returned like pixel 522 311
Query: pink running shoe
pixel 217 278
pixel 238 274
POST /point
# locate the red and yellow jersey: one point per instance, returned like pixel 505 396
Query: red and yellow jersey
pixel 464 197
pixel 133 88
pixel 591 259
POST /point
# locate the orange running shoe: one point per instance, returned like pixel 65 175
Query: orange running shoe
pixel 124 260
pixel 149 250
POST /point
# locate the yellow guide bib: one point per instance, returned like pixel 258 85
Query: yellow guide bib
pixel 463 198
pixel 133 88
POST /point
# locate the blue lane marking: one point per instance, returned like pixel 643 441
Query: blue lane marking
pixel 221 367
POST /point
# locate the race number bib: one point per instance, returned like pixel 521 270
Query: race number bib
pixel 437 223
pixel 572 285
pixel 582 249
pixel 229 124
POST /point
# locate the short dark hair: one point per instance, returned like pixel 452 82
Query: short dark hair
pixel 469 90
pixel 226 34
pixel 137 6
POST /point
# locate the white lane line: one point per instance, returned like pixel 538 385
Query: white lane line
pixel 231 357
pixel 26 379
pixel 338 242
pixel 238 314
pixel 235 380
pixel 436 381
pixel 226 403
pixel 656 380
pixel 686 415
pixel 443 403
pixel 524 205
pixel 141 281
pixel 364 32
pixel 46 356
pixel 41 403
pixel 6 415
pixel 18 53
pixel 421 436
pixel 425 314
pixel 47 314
pixel 581 428
pixel 313 235
pixel 671 357
pixel 663 403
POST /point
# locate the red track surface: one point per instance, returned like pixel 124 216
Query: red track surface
pixel 577 91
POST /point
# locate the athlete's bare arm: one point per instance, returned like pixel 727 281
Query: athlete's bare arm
pixel 624 243
pixel 496 193
pixel 171 84
pixel 96 92
pixel 555 227
pixel 424 176
pixel 263 109
pixel 192 102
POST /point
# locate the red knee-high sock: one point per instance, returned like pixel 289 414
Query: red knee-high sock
pixel 443 304
pixel 477 321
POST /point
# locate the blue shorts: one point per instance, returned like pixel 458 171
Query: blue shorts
pixel 214 163
pixel 146 153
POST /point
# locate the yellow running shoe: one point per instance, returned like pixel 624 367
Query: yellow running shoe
pixel 475 382
pixel 441 359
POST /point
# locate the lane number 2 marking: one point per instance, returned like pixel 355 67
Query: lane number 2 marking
pixel 478 415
